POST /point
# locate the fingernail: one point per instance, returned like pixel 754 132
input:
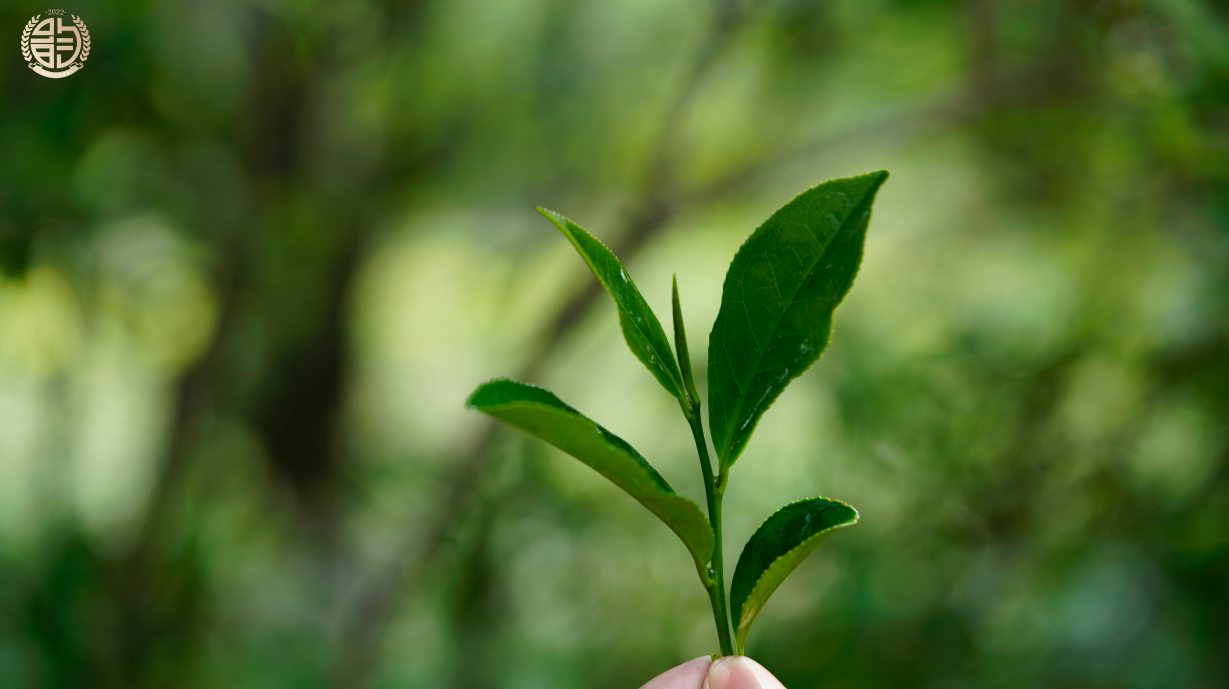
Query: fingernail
pixel 738 672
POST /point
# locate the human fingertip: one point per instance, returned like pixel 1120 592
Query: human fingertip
pixel 739 672
pixel 689 675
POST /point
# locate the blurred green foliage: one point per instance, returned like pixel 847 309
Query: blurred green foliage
pixel 256 253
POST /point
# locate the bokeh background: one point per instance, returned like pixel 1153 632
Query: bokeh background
pixel 256 254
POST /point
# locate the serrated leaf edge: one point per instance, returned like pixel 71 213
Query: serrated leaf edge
pixel 721 459
pixel 805 191
pixel 561 221
pixel 740 629
pixel 700 561
pixel 469 401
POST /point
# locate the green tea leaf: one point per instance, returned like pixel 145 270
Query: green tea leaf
pixel 680 344
pixel 539 412
pixel 777 303
pixel 775 549
pixel 641 329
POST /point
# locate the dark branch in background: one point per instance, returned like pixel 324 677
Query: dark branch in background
pixel 908 123
pixel 983 56
pixel 363 628
pixel 297 396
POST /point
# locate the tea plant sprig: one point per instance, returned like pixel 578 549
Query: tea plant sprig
pixel 775 321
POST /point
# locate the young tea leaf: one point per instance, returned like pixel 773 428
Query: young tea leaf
pixel 538 412
pixel 777 303
pixel 775 549
pixel 641 329
pixel 680 344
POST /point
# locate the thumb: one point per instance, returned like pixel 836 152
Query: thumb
pixel 739 672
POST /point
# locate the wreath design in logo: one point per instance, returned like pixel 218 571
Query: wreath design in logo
pixel 54 48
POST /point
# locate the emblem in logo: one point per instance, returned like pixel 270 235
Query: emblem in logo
pixel 53 47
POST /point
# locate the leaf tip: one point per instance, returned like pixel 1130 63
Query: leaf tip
pixel 480 397
pixel 557 219
pixel 472 402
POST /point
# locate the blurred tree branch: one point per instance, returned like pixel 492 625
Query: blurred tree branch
pixel 362 629
pixel 294 401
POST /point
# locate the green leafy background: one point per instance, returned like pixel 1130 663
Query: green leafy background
pixel 255 255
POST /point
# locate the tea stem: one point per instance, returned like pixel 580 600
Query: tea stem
pixel 716 589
